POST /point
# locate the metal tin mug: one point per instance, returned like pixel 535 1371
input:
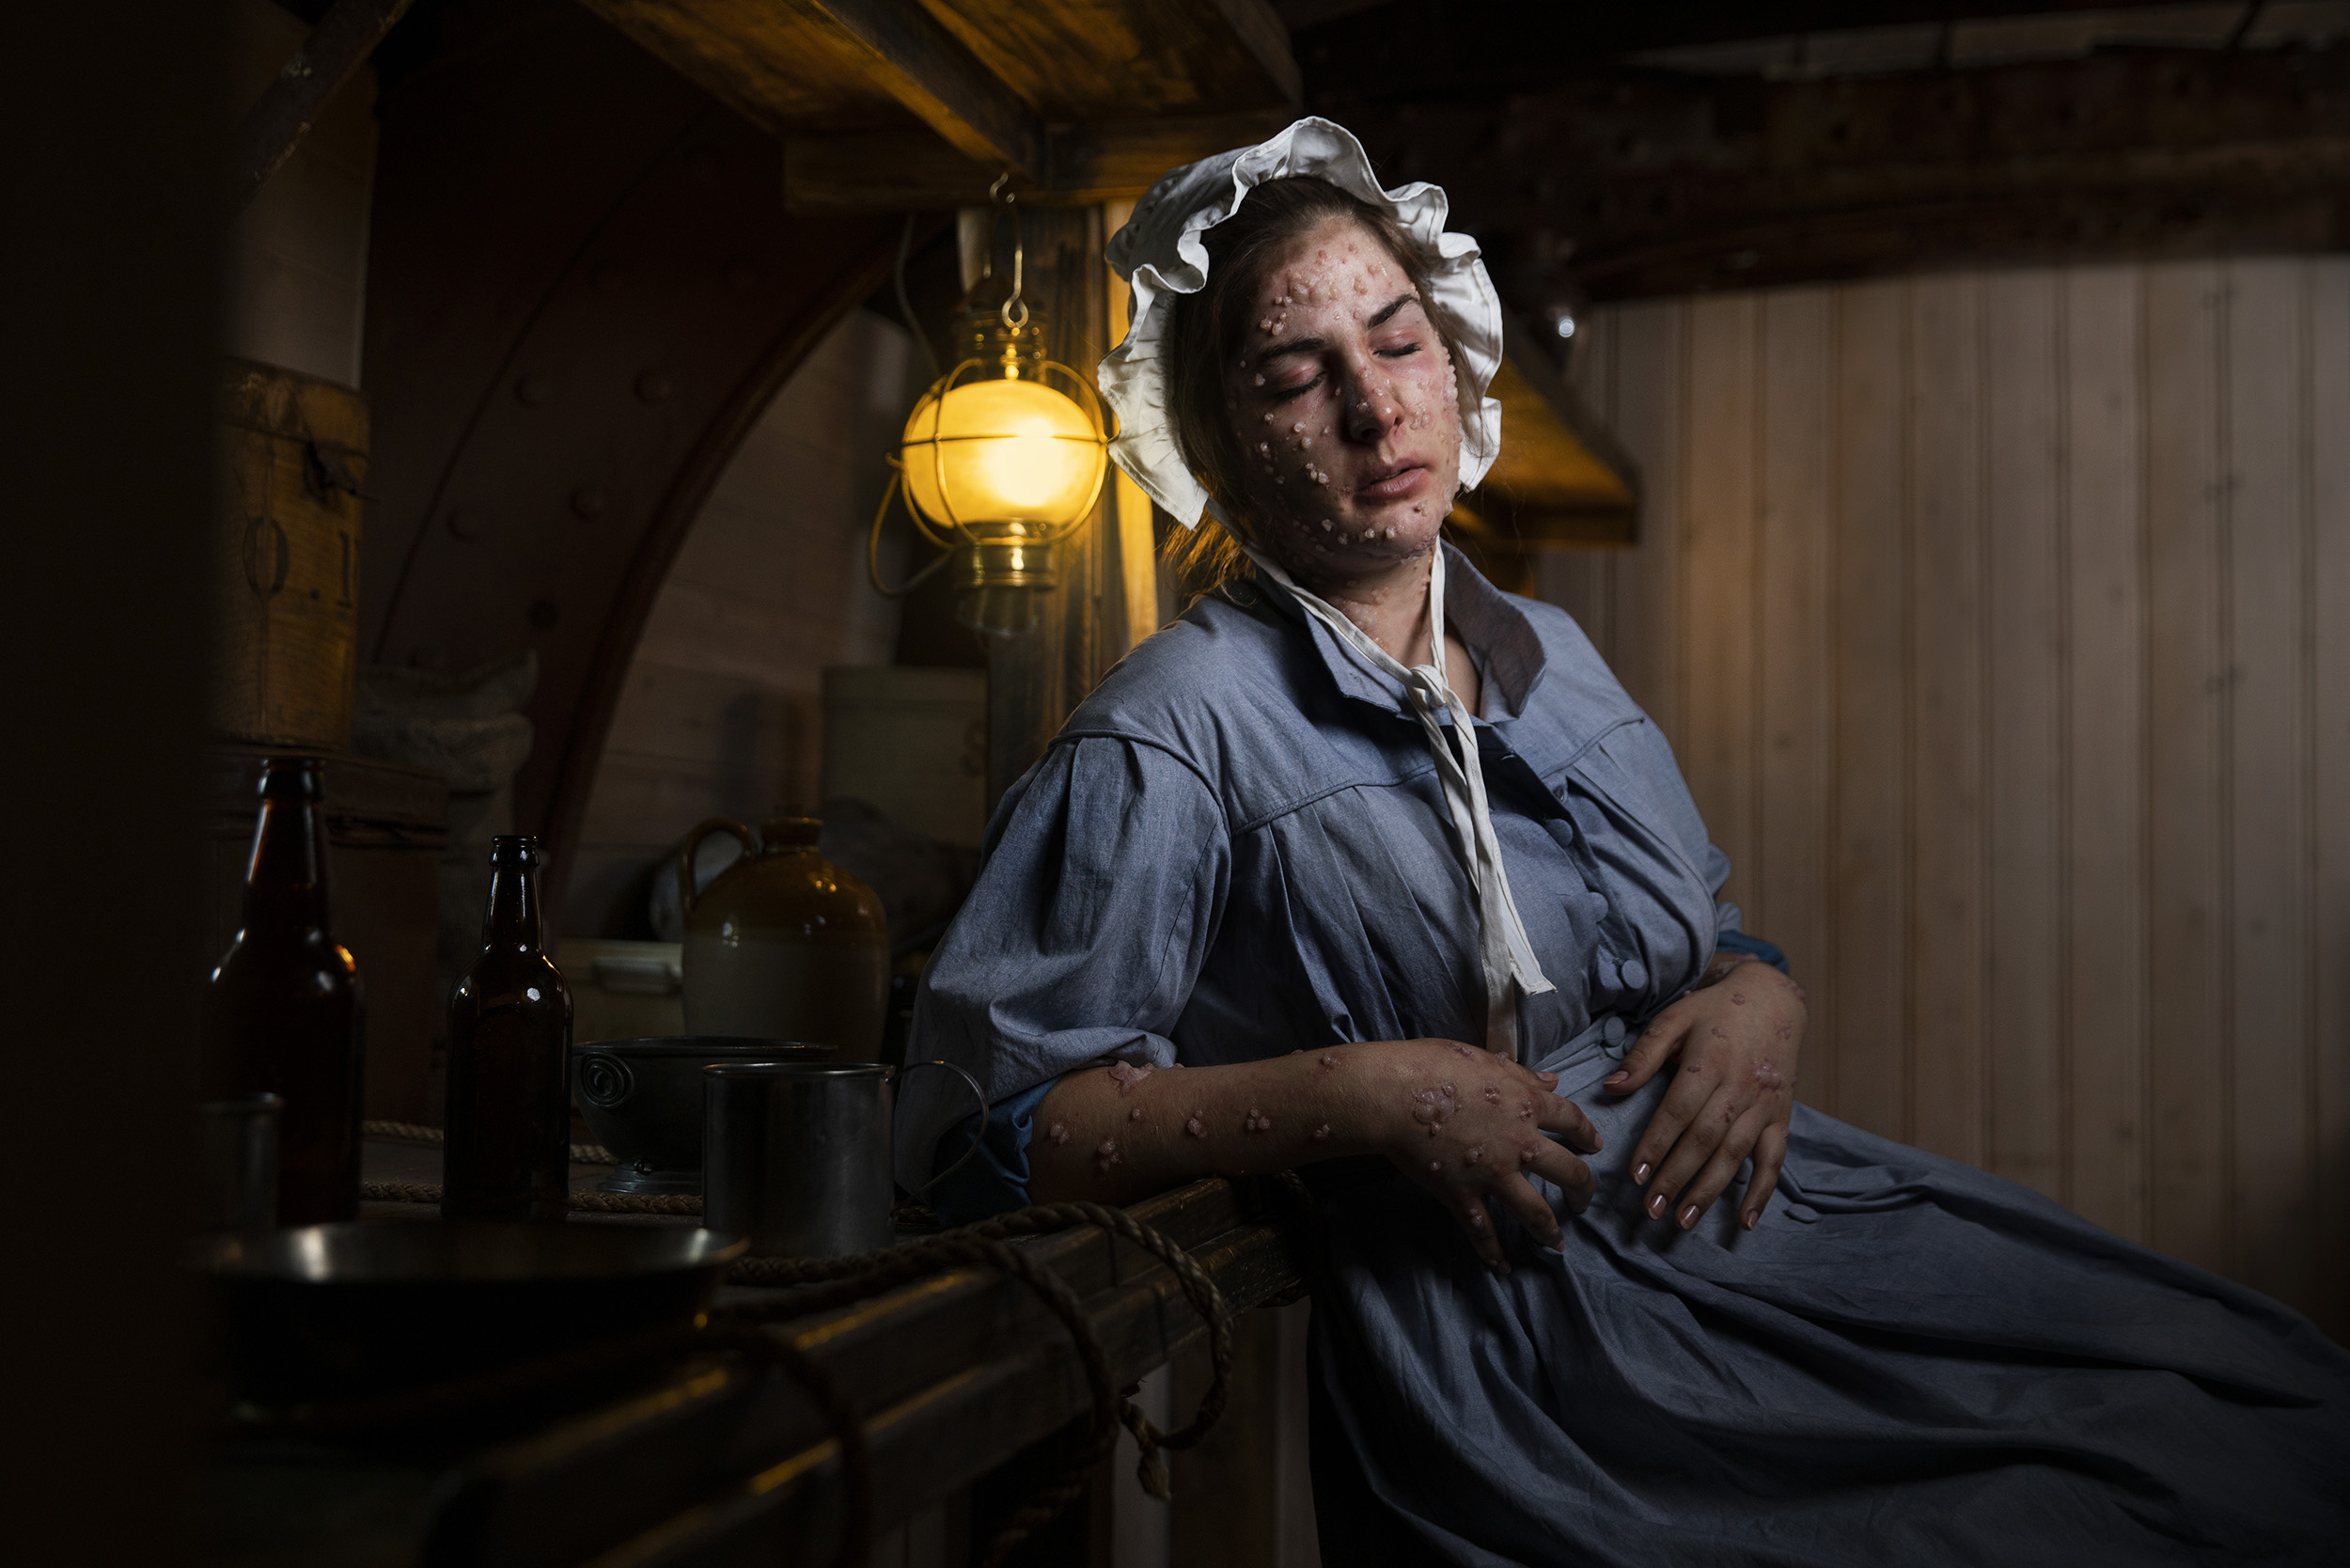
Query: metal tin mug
pixel 795 1156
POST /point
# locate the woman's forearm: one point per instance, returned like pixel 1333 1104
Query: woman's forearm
pixel 1464 1124
pixel 1118 1133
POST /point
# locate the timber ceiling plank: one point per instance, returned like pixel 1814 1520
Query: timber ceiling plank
pixel 1634 183
pixel 896 104
pixel 1085 61
pixel 911 170
pixel 925 67
pixel 1421 48
pixel 838 65
pixel 760 60
pixel 987 76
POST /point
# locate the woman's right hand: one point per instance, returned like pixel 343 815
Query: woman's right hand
pixel 1466 1125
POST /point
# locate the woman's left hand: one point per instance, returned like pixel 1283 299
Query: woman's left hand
pixel 1737 1038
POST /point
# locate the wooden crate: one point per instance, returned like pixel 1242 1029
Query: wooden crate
pixel 286 583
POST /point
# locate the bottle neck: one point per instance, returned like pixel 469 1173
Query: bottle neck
pixel 284 880
pixel 515 919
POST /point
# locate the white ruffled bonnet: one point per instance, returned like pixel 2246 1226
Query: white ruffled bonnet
pixel 1160 253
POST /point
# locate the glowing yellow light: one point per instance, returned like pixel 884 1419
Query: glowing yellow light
pixel 1002 451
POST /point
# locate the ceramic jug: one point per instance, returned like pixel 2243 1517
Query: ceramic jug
pixel 784 944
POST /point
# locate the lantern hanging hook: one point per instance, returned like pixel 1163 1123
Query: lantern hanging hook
pixel 1015 309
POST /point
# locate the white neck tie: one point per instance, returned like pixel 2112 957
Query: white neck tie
pixel 1508 961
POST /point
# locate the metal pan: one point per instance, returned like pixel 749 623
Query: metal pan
pixel 350 1312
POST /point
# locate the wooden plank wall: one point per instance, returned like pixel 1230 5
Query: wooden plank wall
pixel 2001 622
pixel 722 712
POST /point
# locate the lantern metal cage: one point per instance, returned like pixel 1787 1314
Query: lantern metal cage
pixel 1002 457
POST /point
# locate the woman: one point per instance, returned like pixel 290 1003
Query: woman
pixel 1483 994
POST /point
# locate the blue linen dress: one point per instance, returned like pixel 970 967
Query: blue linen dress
pixel 1239 847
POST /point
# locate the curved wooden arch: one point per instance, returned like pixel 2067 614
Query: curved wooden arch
pixel 583 290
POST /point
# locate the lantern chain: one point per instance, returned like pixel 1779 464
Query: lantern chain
pixel 999 192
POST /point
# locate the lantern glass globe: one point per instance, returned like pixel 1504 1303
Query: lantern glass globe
pixel 1002 451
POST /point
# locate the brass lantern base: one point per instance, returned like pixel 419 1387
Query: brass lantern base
pixel 996 582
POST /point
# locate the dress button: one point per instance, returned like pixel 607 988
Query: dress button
pixel 1611 1034
pixel 1633 974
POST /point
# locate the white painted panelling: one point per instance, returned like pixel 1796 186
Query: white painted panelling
pixel 721 713
pixel 1998 620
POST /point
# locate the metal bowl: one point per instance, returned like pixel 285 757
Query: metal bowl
pixel 643 1099
pixel 344 1313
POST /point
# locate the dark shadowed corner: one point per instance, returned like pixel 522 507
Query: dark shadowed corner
pixel 113 118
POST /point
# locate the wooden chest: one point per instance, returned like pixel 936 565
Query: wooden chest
pixel 286 583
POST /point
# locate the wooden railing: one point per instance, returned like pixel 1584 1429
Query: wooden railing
pixel 950 1376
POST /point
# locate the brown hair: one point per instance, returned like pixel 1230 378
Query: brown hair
pixel 1204 331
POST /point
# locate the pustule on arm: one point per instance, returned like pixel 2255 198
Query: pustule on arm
pixel 1464 1124
pixel 1118 1133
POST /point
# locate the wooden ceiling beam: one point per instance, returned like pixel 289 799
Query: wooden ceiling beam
pixel 903 48
pixel 892 171
pixel 337 46
pixel 1625 184
pixel 1418 49
pixel 792 65
pixel 1079 61
pixel 1260 32
pixel 917 97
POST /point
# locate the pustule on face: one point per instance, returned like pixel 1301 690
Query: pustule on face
pixel 1347 409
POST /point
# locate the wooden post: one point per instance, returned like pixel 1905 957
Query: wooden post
pixel 1034 679
pixel 1243 1498
pixel 1033 682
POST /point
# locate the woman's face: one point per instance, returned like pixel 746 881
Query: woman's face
pixel 1345 405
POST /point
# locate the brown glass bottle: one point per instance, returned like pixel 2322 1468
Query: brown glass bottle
pixel 507 1154
pixel 284 1013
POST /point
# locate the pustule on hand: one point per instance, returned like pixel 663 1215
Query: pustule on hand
pixel 1432 1108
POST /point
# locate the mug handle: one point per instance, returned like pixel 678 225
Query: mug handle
pixel 692 846
pixel 977 1093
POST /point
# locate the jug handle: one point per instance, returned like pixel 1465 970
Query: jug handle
pixel 692 846
pixel 977 1093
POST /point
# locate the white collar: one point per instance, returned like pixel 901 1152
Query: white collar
pixel 1507 957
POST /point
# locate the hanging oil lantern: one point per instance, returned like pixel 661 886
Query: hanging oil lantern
pixel 1002 457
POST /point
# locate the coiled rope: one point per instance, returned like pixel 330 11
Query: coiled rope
pixel 684 1205
pixel 983 1243
pixel 416 1132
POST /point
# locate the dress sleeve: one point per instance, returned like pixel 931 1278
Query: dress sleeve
pixel 1103 884
pixel 1730 935
pixel 1735 941
pixel 1640 750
